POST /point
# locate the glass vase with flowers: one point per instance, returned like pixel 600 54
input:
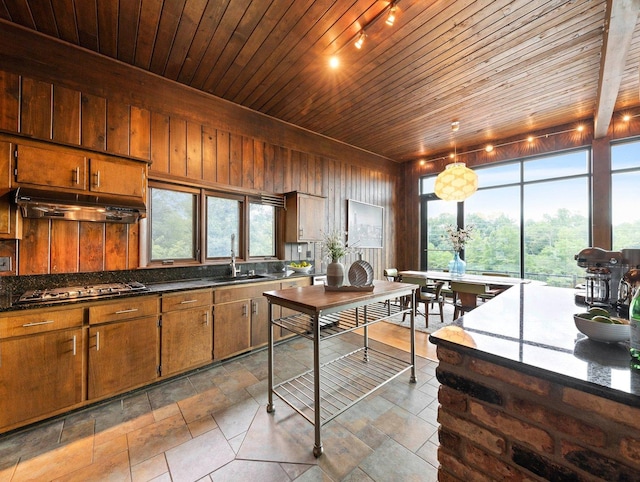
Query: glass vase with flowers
pixel 458 238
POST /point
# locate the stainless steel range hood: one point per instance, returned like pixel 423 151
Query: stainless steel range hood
pixel 35 203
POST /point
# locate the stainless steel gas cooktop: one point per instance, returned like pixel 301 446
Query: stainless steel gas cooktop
pixel 71 293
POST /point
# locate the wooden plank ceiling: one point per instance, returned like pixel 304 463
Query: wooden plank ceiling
pixel 501 67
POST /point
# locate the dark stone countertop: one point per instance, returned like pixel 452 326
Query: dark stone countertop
pixel 530 329
pixel 9 296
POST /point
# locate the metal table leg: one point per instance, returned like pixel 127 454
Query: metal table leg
pixel 270 407
pixel 317 448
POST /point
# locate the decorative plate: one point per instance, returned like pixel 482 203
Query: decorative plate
pixel 360 273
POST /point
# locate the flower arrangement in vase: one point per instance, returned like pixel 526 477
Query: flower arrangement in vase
pixel 334 248
pixel 458 238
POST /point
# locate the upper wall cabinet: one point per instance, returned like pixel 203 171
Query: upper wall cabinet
pixel 59 167
pixel 305 217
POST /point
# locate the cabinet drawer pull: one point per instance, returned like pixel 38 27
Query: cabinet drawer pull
pixel 97 178
pixel 185 302
pixel 130 310
pixel 97 341
pixel 76 175
pixel 37 323
pixel 74 345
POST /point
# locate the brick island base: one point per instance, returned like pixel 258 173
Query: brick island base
pixel 500 424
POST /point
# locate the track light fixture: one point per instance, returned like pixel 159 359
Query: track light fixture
pixel 360 41
pixel 391 16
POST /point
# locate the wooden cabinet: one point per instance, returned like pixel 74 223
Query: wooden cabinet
pixel 124 340
pixel 187 331
pixel 304 218
pixel 10 221
pixel 59 167
pixel 240 318
pixel 50 168
pixel 121 177
pixel 231 329
pixel 41 364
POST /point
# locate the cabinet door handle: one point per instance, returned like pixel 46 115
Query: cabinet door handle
pixel 300 232
pixel 244 309
pixel 130 310
pixel 97 341
pixel 74 345
pixel 76 175
pixel 37 323
pixel 97 178
pixel 254 308
pixel 185 302
pixel 206 318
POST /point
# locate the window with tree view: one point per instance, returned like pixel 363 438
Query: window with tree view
pixel 530 218
pixel 262 230
pixel 625 179
pixel 223 223
pixel 172 221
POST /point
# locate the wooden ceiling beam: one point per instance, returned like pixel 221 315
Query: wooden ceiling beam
pixel 620 22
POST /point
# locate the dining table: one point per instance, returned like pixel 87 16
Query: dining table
pixel 480 279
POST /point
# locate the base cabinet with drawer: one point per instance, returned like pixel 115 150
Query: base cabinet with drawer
pixel 187 331
pixel 41 365
pixel 124 345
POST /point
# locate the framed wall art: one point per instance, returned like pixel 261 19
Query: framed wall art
pixel 364 225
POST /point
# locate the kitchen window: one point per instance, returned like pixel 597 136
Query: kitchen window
pixel 244 223
pixel 173 215
pixel 224 220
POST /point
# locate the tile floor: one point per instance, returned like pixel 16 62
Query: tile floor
pixel 212 425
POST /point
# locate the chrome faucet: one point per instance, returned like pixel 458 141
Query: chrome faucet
pixel 234 270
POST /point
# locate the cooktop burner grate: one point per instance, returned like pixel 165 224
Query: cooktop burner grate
pixel 80 292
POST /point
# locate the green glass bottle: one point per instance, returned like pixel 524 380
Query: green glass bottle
pixel 634 322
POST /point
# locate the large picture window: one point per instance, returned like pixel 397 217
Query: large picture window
pixel 625 179
pixel 530 216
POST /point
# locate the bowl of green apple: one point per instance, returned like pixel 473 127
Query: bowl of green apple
pixel 599 325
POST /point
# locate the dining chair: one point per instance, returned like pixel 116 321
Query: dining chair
pixel 427 298
pixel 392 275
pixel 493 290
pixel 465 296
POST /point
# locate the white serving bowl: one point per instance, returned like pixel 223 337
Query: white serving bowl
pixel 604 332
pixel 304 269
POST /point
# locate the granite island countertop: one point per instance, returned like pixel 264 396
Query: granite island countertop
pixel 530 328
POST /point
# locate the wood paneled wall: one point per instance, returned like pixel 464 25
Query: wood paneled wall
pixel 89 101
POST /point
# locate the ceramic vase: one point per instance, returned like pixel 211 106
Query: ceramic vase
pixel 335 274
pixel 457 266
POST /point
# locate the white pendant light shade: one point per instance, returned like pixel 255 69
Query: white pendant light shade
pixel 456 183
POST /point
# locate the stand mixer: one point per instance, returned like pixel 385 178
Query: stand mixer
pixel 604 272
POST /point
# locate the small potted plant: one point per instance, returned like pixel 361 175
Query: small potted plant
pixel 334 248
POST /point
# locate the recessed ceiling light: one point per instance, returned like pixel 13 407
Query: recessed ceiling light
pixel 334 62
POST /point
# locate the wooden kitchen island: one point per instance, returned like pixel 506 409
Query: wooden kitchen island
pixel 330 388
pixel 525 396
